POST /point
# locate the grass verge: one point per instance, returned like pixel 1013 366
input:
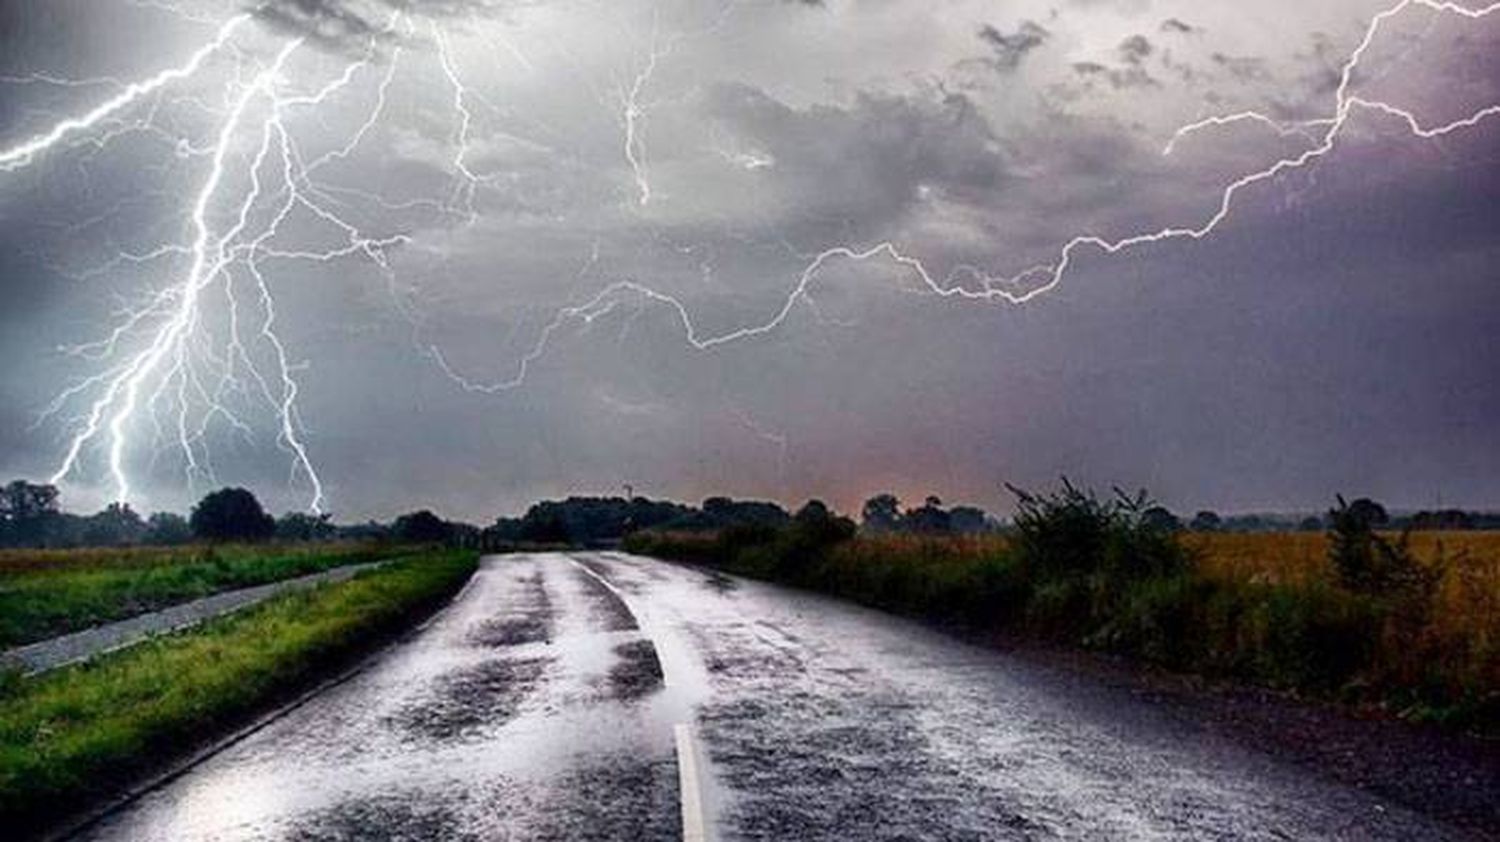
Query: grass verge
pixel 78 734
pixel 50 593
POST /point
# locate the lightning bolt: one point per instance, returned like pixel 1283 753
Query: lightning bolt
pixel 123 390
pixel 464 192
pixel 179 366
pixel 632 111
pixel 974 283
pixel 24 153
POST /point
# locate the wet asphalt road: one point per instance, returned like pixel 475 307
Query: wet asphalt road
pixel 546 703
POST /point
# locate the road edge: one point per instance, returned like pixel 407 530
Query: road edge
pixel 173 770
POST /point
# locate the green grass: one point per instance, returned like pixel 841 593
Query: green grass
pixel 79 733
pixel 64 592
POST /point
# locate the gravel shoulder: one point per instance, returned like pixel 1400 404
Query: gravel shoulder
pixel 1450 776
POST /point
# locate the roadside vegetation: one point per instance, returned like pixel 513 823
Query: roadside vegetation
pixel 78 734
pixel 44 593
pixel 63 572
pixel 1406 622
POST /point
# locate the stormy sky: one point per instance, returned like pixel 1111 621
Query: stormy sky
pixel 503 240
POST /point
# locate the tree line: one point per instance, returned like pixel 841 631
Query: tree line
pixel 31 516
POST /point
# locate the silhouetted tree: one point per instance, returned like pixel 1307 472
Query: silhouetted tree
pixel 722 512
pixel 1206 521
pixel 117 524
pixel 28 512
pixel 420 527
pixel 881 513
pixel 930 519
pixel 545 526
pixel 166 529
pixel 370 530
pixel 1161 519
pixel 1367 511
pixel 815 526
pixel 231 514
pixel 304 526
pixel 967 520
pixel 1451 519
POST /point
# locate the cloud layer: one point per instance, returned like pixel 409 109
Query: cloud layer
pixel 646 164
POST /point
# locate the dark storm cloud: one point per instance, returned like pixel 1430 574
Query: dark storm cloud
pixel 1242 68
pixel 866 160
pixel 1118 78
pixel 1136 49
pixel 327 22
pixel 1010 49
pixel 336 22
pixel 1133 52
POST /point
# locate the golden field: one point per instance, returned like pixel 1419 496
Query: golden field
pixel 1470 586
pixel 1468 598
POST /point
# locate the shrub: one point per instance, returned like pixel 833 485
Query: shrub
pixel 1367 562
pixel 1071 533
pixel 1311 637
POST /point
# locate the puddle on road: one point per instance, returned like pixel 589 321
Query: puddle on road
pixel 470 700
pixel 512 631
pixel 624 797
pixel 528 621
pixel 637 673
pixel 396 817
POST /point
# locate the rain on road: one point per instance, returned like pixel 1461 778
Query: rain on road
pixel 556 696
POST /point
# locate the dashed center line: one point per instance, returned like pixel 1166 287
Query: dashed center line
pixel 693 828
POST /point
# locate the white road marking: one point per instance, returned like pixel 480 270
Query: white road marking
pixel 694 826
pixel 693 829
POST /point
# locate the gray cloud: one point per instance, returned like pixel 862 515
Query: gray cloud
pixel 1010 49
pixel 1136 49
pixel 1242 68
pixel 335 23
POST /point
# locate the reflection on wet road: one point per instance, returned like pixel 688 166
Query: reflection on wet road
pixel 545 703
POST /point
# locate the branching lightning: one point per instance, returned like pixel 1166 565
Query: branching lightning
pixel 632 111
pixel 167 358
pixel 976 284
pixel 24 153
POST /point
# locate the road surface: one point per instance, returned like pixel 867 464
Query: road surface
pixel 607 696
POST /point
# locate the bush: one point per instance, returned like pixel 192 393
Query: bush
pixel 1367 562
pixel 1071 533
pixel 1311 637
